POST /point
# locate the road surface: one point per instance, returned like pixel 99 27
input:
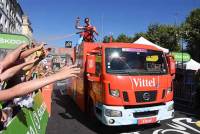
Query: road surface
pixel 66 118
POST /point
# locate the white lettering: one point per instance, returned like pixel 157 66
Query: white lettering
pixel 36 117
pixel 188 120
pixel 170 130
pixel 135 82
pixel 36 120
pixel 30 130
pixel 11 41
pixel 176 127
pixel 144 82
pixel 41 111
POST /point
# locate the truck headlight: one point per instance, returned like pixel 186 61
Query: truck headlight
pixel 114 92
pixel 113 113
pixel 170 107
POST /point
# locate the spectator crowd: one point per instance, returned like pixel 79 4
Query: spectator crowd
pixel 22 73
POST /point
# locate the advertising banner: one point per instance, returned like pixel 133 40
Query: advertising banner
pixel 29 121
pixel 11 41
pixel 181 56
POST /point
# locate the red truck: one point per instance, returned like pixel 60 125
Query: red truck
pixel 124 83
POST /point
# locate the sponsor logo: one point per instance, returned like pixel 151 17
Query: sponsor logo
pixel 146 96
pixel 142 82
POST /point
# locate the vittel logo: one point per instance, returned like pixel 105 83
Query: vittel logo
pixel 142 82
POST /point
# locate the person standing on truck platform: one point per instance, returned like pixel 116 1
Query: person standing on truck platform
pixel 87 33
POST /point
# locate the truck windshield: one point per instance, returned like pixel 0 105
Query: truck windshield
pixel 133 61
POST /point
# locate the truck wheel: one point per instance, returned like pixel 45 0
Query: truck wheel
pixel 91 109
pixel 91 114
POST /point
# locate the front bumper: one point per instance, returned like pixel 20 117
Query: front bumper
pixel 164 112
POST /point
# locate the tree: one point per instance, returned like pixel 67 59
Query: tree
pixel 138 35
pixel 191 33
pixel 165 35
pixel 123 38
pixel 107 39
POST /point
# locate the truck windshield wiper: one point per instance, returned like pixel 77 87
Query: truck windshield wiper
pixel 118 72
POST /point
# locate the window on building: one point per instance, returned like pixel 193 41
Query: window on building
pixel 6 23
pixel 1 25
pixel 1 16
pixel 7 7
pixel 1 19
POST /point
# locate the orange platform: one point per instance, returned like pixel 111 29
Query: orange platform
pixel 46 94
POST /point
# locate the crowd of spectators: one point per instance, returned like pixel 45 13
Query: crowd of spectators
pixel 18 81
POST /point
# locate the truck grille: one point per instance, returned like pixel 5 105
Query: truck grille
pixel 145 96
pixel 145 114
pixel 163 94
pixel 125 96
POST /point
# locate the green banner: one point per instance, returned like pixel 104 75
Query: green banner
pixel 181 56
pixel 11 41
pixel 30 121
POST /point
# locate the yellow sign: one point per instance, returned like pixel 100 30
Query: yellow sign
pixel 98 58
pixel 152 58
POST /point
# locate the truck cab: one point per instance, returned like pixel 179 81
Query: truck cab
pixel 125 83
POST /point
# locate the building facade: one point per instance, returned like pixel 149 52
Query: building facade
pixel 26 27
pixel 11 17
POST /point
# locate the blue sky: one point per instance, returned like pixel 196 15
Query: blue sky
pixel 56 18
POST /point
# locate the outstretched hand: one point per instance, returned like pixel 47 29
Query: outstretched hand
pixel 67 72
pixel 23 46
pixel 41 46
pixel 32 61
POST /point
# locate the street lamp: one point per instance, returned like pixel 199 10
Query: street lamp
pixel 186 33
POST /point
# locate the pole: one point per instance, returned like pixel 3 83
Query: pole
pixel 102 17
pixel 182 51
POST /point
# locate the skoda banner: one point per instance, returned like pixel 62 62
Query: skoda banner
pixel 11 41
pixel 181 56
pixel 29 121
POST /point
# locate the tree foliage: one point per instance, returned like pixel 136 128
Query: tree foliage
pixel 106 39
pixel 124 38
pixel 163 35
pixel 190 32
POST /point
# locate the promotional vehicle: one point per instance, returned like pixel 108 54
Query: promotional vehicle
pixel 123 83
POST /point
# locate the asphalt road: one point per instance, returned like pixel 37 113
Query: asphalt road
pixel 66 118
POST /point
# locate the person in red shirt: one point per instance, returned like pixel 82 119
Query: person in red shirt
pixel 87 31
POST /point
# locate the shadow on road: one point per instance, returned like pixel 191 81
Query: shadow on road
pixel 73 112
pixel 187 110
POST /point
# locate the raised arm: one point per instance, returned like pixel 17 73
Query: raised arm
pixel 30 86
pixel 30 51
pixel 77 25
pixel 13 70
pixel 95 31
pixel 12 57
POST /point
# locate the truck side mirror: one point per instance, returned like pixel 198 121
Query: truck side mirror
pixel 91 68
pixel 91 64
pixel 172 64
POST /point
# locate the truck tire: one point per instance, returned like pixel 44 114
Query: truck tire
pixel 91 108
